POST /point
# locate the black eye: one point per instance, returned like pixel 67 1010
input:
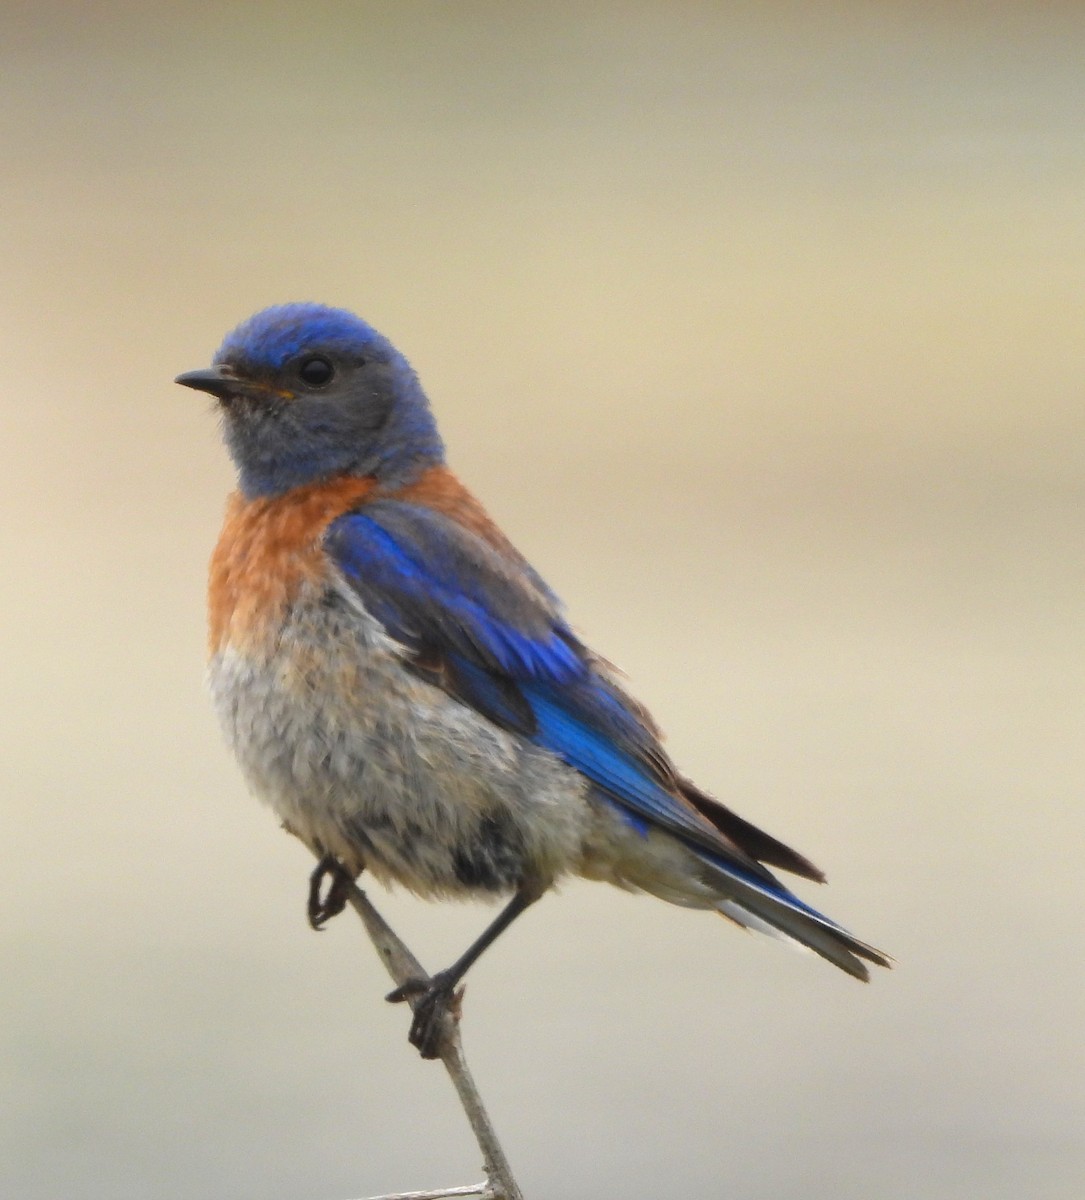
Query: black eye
pixel 316 371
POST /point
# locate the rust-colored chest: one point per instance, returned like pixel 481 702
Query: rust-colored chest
pixel 268 549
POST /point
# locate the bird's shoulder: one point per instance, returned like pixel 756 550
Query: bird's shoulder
pixel 439 491
pixel 428 562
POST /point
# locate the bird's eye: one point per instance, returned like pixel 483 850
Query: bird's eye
pixel 316 371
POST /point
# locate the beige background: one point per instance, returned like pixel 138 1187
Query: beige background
pixel 760 328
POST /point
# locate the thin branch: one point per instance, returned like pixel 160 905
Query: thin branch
pixel 402 965
pixel 482 1190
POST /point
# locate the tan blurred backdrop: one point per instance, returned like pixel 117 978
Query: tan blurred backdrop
pixel 760 328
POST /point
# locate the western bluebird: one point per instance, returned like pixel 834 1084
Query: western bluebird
pixel 405 691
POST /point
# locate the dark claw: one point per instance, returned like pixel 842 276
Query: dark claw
pixel 434 1001
pixel 413 987
pixel 320 909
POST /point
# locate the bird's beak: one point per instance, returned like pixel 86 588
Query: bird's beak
pixel 214 380
pixel 221 383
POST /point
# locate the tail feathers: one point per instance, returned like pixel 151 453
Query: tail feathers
pixel 758 844
pixel 781 914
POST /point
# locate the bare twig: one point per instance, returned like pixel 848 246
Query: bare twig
pixel 402 965
pixel 482 1190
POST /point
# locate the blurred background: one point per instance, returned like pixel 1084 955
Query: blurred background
pixel 759 327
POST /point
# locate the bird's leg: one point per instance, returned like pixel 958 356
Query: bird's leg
pixel 321 908
pixel 437 994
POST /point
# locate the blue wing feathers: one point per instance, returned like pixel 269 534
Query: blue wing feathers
pixel 505 649
pixel 625 782
pixel 421 598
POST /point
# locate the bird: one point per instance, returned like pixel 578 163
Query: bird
pixel 407 694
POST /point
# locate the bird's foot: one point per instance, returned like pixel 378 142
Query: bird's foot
pixel 322 906
pixel 435 1001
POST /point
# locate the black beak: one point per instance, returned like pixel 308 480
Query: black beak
pixel 213 380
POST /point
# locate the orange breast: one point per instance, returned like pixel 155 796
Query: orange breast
pixel 268 548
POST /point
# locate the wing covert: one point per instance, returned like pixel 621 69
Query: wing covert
pixel 479 627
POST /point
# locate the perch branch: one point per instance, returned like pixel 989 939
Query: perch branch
pixel 402 965
pixel 482 1190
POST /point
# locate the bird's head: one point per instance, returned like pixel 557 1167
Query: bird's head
pixel 309 393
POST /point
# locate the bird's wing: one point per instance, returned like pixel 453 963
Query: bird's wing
pixel 487 632
pixel 475 622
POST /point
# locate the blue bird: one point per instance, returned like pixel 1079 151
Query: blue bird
pixel 404 690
